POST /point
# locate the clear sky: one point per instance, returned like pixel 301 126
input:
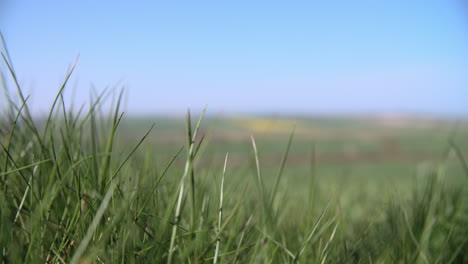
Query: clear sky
pixel 246 56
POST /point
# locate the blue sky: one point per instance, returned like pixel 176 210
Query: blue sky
pixel 246 56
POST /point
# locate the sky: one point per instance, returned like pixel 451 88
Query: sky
pixel 281 57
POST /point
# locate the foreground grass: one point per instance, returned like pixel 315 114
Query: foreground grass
pixel 71 192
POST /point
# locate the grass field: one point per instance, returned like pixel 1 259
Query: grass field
pixel 98 187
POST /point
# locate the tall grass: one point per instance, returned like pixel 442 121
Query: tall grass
pixel 69 193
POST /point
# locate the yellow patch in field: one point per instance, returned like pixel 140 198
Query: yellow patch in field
pixel 260 125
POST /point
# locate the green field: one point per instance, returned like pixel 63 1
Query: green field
pixel 94 187
pixel 388 154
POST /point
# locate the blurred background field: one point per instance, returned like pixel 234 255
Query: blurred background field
pixel 365 159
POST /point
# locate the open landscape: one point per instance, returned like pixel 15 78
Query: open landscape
pixel 94 187
pixel 235 132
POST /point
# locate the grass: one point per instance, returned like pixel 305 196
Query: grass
pixel 72 190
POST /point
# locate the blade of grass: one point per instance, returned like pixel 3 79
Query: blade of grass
pixel 192 153
pixel 110 144
pixel 94 224
pixel 259 175
pixel 413 237
pixel 314 228
pixel 129 155
pixel 187 170
pixel 24 167
pixel 220 216
pixel 326 249
pixel 215 238
pixel 59 94
pixel 29 120
pixel 12 132
pixel 280 172
pixel 281 246
pixel 244 229
pixel 239 250
pixel 158 181
pixel 4 45
pixel 18 210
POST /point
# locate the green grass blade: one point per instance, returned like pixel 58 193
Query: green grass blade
pixel 129 155
pixel 24 167
pixel 158 181
pixel 220 216
pixel 260 184
pixel 94 224
pixel 312 232
pixel 280 172
pixel 59 94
